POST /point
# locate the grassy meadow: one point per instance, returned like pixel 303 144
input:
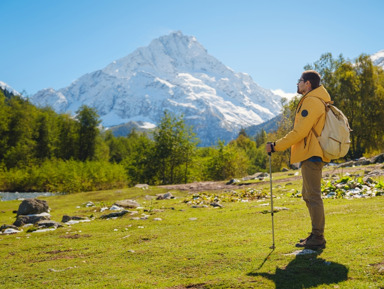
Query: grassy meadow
pixel 178 246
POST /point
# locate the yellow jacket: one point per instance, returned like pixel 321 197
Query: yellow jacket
pixel 310 113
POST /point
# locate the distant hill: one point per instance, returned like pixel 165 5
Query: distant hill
pixel 269 126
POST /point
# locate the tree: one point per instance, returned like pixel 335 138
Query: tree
pixel 67 147
pixel 88 121
pixel 228 162
pixel 175 144
pixel 357 88
pixel 20 133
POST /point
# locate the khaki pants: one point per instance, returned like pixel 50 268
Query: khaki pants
pixel 312 173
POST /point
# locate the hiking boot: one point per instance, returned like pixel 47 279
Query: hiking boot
pixel 312 242
pixel 302 240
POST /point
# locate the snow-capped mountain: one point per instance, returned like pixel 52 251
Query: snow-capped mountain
pixel 6 87
pixel 378 58
pixel 173 73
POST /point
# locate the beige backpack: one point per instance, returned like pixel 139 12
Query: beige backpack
pixel 335 137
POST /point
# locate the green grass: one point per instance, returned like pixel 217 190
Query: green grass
pixel 195 247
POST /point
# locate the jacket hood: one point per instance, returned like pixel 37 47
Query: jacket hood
pixel 321 93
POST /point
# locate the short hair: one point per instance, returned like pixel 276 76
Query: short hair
pixel 313 77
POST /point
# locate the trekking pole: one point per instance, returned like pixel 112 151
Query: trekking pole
pixel 270 180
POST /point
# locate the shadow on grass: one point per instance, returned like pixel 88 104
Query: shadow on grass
pixel 305 271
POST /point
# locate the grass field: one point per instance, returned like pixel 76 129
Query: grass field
pixel 177 246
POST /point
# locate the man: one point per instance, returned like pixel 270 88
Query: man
pixel 305 148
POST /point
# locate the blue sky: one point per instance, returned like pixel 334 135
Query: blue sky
pixel 47 43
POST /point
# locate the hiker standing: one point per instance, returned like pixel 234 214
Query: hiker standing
pixel 305 148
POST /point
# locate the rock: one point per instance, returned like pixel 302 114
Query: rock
pixel 216 205
pixel 346 164
pixel 376 173
pixel 4 227
pixel 114 215
pixel 32 206
pixel 284 170
pixel 233 181
pixel 30 219
pixel 10 231
pixel 89 204
pixel 378 159
pixel 115 208
pixel 48 224
pixel 67 218
pixel 130 204
pixel 142 186
pixel 166 196
pixel 362 162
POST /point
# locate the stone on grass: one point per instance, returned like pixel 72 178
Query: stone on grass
pixel 67 218
pixel 129 204
pixel 48 224
pixel 114 215
pixel 30 219
pixel 10 231
pixel 32 206
pixel 166 196
pixel 142 186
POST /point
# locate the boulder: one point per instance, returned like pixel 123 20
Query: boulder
pixel 32 206
pixel 48 224
pixel 130 204
pixel 31 219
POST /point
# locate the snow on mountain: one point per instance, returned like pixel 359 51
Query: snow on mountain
pixel 173 73
pixel 6 87
pixel 378 58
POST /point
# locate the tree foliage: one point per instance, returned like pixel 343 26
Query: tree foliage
pixel 175 145
pixel 357 88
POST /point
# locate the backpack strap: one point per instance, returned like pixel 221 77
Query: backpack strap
pixel 326 104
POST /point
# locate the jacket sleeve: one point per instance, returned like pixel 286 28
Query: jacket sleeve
pixel 306 117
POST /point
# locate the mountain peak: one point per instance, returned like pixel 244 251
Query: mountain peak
pixel 164 55
pixel 174 73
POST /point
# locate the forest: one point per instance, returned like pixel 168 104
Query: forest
pixel 41 150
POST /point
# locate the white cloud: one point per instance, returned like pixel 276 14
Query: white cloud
pixel 282 93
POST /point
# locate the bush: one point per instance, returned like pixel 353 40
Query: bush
pixel 64 176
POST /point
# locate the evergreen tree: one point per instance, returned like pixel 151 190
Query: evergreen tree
pixel 88 122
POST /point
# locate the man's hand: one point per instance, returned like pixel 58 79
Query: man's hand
pixel 270 147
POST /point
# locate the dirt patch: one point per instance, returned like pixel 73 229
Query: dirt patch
pixel 379 267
